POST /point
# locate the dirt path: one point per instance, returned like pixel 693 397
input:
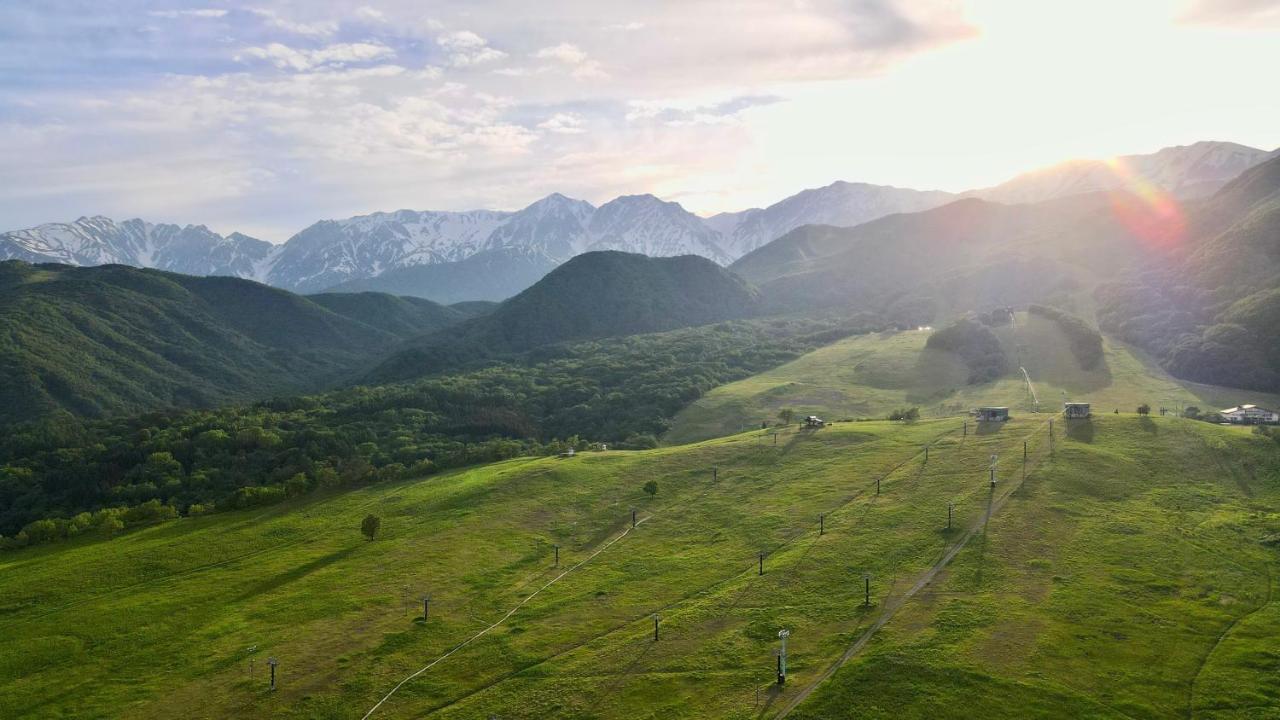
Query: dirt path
pixel 896 604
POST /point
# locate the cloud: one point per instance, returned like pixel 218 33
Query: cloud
pixel 323 28
pixel 581 66
pixel 285 57
pixel 1233 13
pixel 365 12
pixel 563 124
pixel 676 113
pixel 195 13
pixel 627 26
pixel 464 48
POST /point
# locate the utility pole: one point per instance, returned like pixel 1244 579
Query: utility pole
pixel 633 517
pixel 782 656
pixel 926 453
pixel 966 428
pixel 715 473
pixel 993 469
pixel 866 598
pixel 822 524
pixel 877 485
pixel 655 628
pixel 273 662
pixel 761 563
pixel 557 547
pixel 426 607
pixel 951 507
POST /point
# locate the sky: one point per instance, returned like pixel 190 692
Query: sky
pixel 265 117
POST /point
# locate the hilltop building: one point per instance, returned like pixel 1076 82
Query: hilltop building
pixel 992 414
pixel 1250 415
pixel 1074 410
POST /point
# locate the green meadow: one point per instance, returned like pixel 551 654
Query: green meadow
pixel 1128 575
pixel 868 376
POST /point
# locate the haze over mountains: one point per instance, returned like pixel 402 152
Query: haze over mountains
pixel 491 255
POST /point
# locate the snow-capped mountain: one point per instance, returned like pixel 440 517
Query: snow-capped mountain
pixel 334 251
pixel 554 229
pixel 431 254
pixel 193 250
pixel 1187 171
pixel 840 203
pixel 649 226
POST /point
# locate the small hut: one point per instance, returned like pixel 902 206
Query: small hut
pixel 992 414
pixel 813 421
pixel 1072 411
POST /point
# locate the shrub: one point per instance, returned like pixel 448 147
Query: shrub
pixel 370 526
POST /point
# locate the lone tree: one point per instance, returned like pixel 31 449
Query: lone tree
pixel 651 487
pixel 370 526
pixel 785 415
pixel 1144 409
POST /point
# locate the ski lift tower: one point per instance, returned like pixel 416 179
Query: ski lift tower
pixel 782 656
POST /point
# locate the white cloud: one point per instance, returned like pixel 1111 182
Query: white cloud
pixel 563 124
pixel 322 28
pixel 564 52
pixel 196 13
pixel 466 48
pixel 365 12
pixel 628 26
pixel 575 58
pixel 285 57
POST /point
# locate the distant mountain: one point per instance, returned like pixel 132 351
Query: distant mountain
pixel 594 295
pixel 1186 171
pixel 968 255
pixel 519 248
pixel 193 250
pixel 492 255
pixel 334 251
pixel 115 339
pixel 487 275
pixel 840 203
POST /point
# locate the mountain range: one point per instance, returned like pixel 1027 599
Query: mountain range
pixel 490 255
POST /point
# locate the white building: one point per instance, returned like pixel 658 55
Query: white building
pixel 1249 415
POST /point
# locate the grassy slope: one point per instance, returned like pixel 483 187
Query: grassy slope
pixel 869 375
pixel 158 623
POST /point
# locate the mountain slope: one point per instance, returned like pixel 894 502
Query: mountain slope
pixel 113 339
pixel 1123 571
pixel 333 251
pixel 1185 171
pixel 841 203
pixel 1210 311
pixel 486 276
pixel 193 250
pixel 594 295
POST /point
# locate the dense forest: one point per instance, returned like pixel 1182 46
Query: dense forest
pixel 62 475
pixel 976 345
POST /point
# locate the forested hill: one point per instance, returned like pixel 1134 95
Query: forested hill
pixel 1210 311
pixel 594 295
pixel 114 339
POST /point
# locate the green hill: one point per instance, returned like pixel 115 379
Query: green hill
pixel 928 267
pixel 869 376
pixel 1209 311
pixel 113 339
pixel 1127 576
pixel 594 295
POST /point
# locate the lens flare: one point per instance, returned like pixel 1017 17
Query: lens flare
pixel 1147 212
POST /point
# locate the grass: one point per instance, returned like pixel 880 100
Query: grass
pixel 868 376
pixel 1124 578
